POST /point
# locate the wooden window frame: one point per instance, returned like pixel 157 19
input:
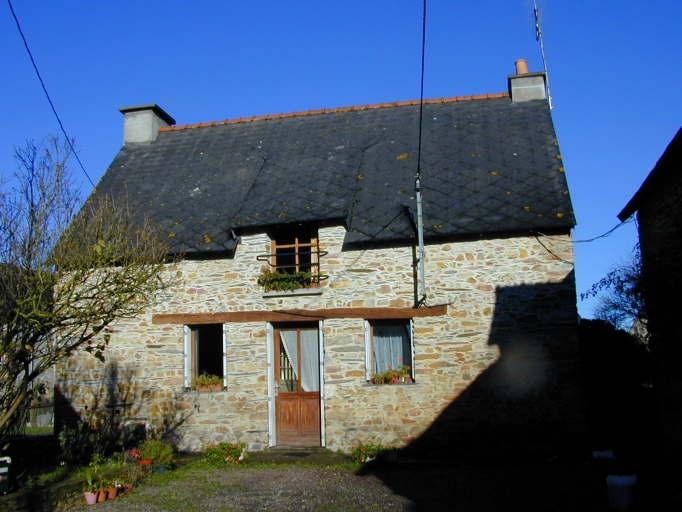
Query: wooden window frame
pixel 191 350
pixel 313 245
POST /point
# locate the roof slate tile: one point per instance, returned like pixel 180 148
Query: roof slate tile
pixel 482 162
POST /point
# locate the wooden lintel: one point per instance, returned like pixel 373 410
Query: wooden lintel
pixel 297 315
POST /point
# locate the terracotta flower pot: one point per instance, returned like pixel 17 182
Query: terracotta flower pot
pixel 90 497
pixel 111 493
pixel 210 389
pixel 101 496
pixel 145 462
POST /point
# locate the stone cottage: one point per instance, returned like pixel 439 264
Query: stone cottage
pixel 658 206
pixel 299 285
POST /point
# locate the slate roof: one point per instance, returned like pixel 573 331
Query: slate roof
pixel 488 166
pixel 667 166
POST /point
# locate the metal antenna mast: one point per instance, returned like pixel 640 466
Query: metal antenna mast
pixel 538 37
pixel 417 178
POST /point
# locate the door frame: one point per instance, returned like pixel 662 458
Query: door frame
pixel 272 382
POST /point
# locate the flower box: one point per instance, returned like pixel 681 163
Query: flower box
pixel 210 388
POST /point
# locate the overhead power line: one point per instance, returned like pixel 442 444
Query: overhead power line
pixel 54 111
pixel 603 235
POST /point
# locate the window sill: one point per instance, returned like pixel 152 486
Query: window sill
pixel 294 293
pixel 406 383
pixel 204 391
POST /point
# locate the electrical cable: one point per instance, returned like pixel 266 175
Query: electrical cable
pixel 68 140
pixel 604 235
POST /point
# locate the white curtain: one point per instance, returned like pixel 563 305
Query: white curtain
pixel 290 342
pixel 310 361
pixel 391 347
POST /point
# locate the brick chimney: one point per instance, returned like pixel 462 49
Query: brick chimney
pixel 524 86
pixel 141 123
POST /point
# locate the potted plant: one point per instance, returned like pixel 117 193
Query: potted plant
pixel 162 454
pixel 132 474
pixel 110 489
pixel 207 383
pixel 90 487
pixel 133 453
pixel 102 485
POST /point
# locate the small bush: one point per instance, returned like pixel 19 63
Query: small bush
pixel 163 454
pixel 225 453
pixel 364 452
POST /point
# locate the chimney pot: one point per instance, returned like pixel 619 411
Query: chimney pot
pixel 521 67
pixel 141 123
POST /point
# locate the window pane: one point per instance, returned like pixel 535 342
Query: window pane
pixel 286 260
pixel 209 350
pixel 286 236
pixel 391 347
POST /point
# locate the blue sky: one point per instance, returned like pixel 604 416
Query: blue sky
pixel 615 73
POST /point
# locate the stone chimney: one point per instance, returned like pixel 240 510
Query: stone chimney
pixel 141 123
pixel 524 86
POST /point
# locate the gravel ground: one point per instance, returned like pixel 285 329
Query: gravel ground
pixel 284 488
pixel 463 487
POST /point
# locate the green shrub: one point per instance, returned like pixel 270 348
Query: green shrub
pixel 364 452
pixel 225 453
pixel 163 454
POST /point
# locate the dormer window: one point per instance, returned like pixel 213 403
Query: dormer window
pixel 294 260
pixel 295 249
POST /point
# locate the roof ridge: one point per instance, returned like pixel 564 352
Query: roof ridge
pixel 336 110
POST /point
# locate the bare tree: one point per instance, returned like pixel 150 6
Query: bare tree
pixel 620 295
pixel 65 275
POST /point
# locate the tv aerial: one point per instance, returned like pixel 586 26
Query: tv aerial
pixel 537 15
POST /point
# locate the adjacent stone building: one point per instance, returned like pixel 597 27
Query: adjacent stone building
pixel 658 205
pixel 300 288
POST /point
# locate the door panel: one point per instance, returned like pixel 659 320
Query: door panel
pixel 297 402
pixel 310 415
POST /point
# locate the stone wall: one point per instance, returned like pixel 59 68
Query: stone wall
pixel 503 358
pixel 660 235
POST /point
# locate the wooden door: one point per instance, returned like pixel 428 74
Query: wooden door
pixel 297 381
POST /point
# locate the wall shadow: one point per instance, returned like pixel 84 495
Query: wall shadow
pixel 112 411
pixel 524 408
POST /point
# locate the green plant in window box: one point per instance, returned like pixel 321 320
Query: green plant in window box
pixel 284 281
pixel 393 375
pixel 206 382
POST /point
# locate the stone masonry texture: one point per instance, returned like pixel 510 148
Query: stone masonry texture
pixel 501 367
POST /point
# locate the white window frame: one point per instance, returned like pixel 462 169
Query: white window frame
pixel 369 352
